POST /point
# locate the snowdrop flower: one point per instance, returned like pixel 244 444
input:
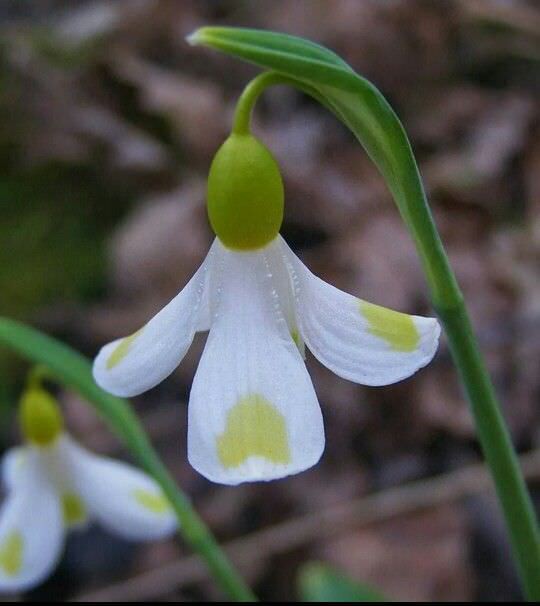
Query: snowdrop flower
pixel 253 413
pixel 53 485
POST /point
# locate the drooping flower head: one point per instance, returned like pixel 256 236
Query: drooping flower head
pixel 53 485
pixel 253 413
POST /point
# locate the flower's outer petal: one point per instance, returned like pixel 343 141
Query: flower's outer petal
pixel 31 528
pixel 123 499
pixel 204 319
pixel 357 340
pixel 129 366
pixel 253 412
pixel 12 463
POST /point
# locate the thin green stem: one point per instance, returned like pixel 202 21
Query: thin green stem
pixel 56 361
pixel 497 447
pixel 491 428
pixel 248 98
pixel 492 431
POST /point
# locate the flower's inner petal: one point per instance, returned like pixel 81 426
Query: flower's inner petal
pixel 359 341
pixel 55 462
pixel 119 496
pixel 282 285
pixel 31 528
pixel 134 364
pixel 253 413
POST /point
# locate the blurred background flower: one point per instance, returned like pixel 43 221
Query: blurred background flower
pixel 108 124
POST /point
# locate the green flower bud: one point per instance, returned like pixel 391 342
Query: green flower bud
pixel 39 416
pixel 245 193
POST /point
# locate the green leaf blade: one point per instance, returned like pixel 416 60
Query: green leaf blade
pixel 253 39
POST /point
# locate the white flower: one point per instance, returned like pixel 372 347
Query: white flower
pixel 53 484
pixel 253 412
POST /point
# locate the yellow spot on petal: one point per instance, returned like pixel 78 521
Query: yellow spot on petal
pixel 11 553
pixel 254 428
pixel 397 329
pixel 153 501
pixel 73 509
pixel 121 350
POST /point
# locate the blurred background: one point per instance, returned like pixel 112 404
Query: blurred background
pixel 108 123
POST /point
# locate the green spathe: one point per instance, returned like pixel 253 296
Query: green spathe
pixel 245 194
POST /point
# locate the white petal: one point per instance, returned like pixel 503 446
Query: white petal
pixel 12 463
pixel 56 462
pixel 123 499
pixel 31 528
pixel 253 413
pixel 357 340
pixel 129 366
pixel 204 316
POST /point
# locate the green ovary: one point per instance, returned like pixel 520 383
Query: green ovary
pixel 40 417
pixel 245 194
pixel 254 428
pixel 11 553
pixel 396 328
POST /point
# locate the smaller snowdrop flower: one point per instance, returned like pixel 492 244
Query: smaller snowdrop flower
pixel 53 485
pixel 253 413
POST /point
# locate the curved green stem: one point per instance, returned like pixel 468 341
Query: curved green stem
pixel 248 98
pixel 72 369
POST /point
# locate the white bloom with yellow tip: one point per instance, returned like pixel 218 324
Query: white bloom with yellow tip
pixel 53 484
pixel 253 412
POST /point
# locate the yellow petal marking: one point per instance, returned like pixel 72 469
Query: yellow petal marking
pixel 154 502
pixel 11 553
pixel 121 350
pixel 299 342
pixel 296 338
pixel 396 328
pixel 254 428
pixel 73 509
